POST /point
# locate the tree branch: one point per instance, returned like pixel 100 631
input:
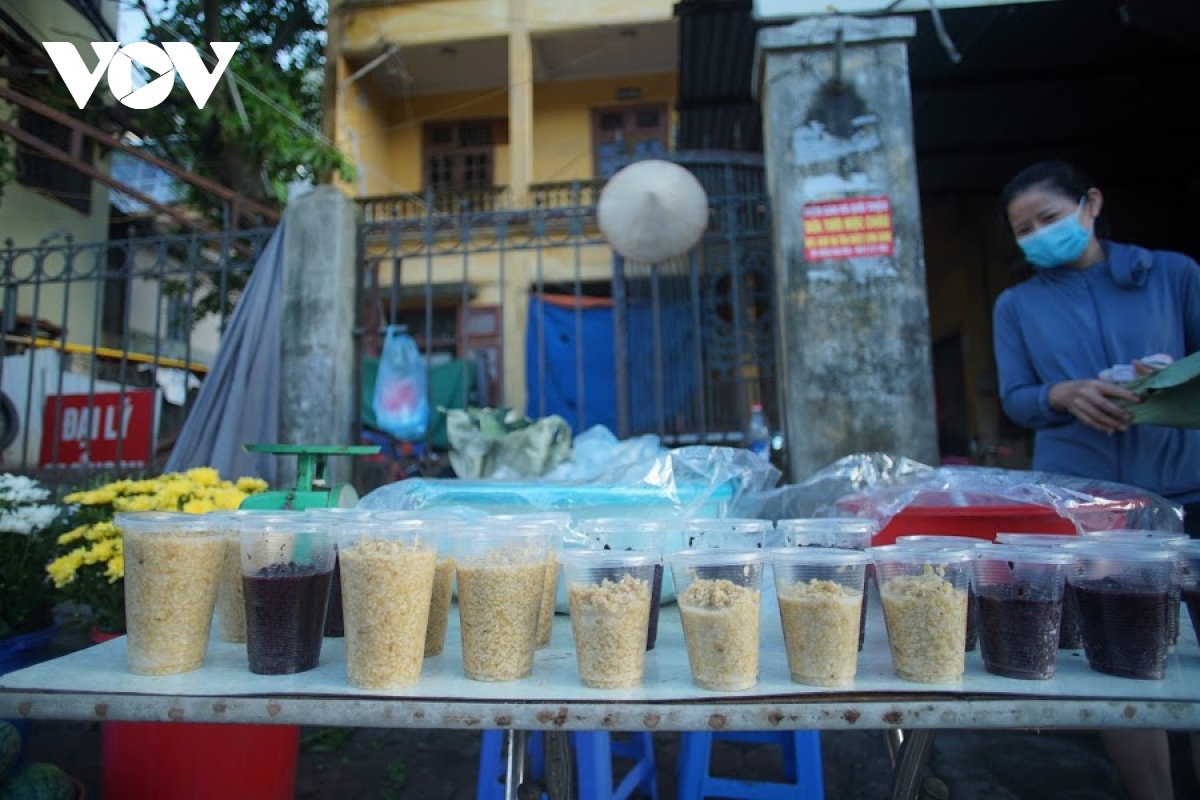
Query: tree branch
pixel 212 21
pixel 300 19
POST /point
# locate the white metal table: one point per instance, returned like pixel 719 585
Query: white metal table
pixel 94 684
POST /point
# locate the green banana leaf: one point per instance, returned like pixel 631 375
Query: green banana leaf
pixel 1170 396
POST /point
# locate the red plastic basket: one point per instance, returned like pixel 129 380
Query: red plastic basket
pixel 933 513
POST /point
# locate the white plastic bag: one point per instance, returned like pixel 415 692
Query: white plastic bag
pixel 401 401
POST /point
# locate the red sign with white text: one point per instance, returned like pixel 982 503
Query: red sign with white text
pixel 857 228
pixel 91 433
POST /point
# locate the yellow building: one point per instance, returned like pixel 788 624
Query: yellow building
pixel 42 200
pixel 493 106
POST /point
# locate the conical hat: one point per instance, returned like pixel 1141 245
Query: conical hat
pixel 652 210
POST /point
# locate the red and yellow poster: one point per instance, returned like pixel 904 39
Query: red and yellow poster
pixel 854 228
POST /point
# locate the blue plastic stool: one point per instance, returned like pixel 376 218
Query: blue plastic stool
pixel 594 752
pixel 801 767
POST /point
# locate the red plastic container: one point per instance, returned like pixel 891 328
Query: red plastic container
pixel 933 513
pixel 199 761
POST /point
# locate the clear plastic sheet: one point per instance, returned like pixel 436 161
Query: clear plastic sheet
pixel 879 486
pixel 817 496
pixel 688 481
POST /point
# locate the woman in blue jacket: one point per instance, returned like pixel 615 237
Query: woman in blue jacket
pixel 1090 305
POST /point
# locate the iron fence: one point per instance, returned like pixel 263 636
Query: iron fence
pixel 679 349
pixel 104 344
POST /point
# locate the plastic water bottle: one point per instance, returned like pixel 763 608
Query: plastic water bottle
pixel 758 435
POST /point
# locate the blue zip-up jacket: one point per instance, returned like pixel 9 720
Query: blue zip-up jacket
pixel 1069 324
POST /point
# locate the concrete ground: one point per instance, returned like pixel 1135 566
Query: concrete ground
pixel 391 764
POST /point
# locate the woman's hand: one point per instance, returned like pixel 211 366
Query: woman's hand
pixel 1091 402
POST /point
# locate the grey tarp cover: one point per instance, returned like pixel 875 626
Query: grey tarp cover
pixel 238 402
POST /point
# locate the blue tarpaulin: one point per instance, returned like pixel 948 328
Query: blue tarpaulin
pixel 554 353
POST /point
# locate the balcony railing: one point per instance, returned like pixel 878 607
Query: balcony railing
pixel 449 201
pixel 566 194
pixel 545 196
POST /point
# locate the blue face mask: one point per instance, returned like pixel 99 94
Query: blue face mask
pixel 1061 242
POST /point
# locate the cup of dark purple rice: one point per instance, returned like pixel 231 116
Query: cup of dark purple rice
pixel 1187 575
pixel 1069 635
pixel 1019 598
pixel 1149 538
pixel 1123 594
pixel 287 572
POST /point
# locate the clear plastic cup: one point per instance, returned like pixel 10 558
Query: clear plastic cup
pixel 636 535
pixel 609 594
pixel 726 534
pixel 445 519
pixel 287 569
pixel 1187 576
pixel 719 593
pixel 387 583
pixel 335 624
pixel 557 524
pixel 938 540
pixel 1070 637
pixel 820 593
pixel 1019 592
pixel 500 571
pixel 849 533
pixel 1037 539
pixel 231 605
pixel 1154 539
pixel 1123 594
pixel 440 599
pixel 1131 534
pixel 172 570
pixel 924 595
pixel 448 514
pixel 952 542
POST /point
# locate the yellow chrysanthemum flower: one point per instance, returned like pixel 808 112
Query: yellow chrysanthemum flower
pixel 101 530
pixel 136 502
pixel 116 569
pixel 99 553
pixel 227 499
pixel 204 476
pixel 251 485
pixel 73 535
pixel 169 497
pixel 95 497
pixel 61 571
pixel 198 506
pixel 120 487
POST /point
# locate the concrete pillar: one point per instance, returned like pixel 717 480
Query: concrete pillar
pixel 317 355
pixel 520 104
pixel 853 318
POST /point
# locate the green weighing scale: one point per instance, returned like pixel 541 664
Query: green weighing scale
pixel 311 489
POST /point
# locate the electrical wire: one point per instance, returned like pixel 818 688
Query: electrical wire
pixel 943 36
